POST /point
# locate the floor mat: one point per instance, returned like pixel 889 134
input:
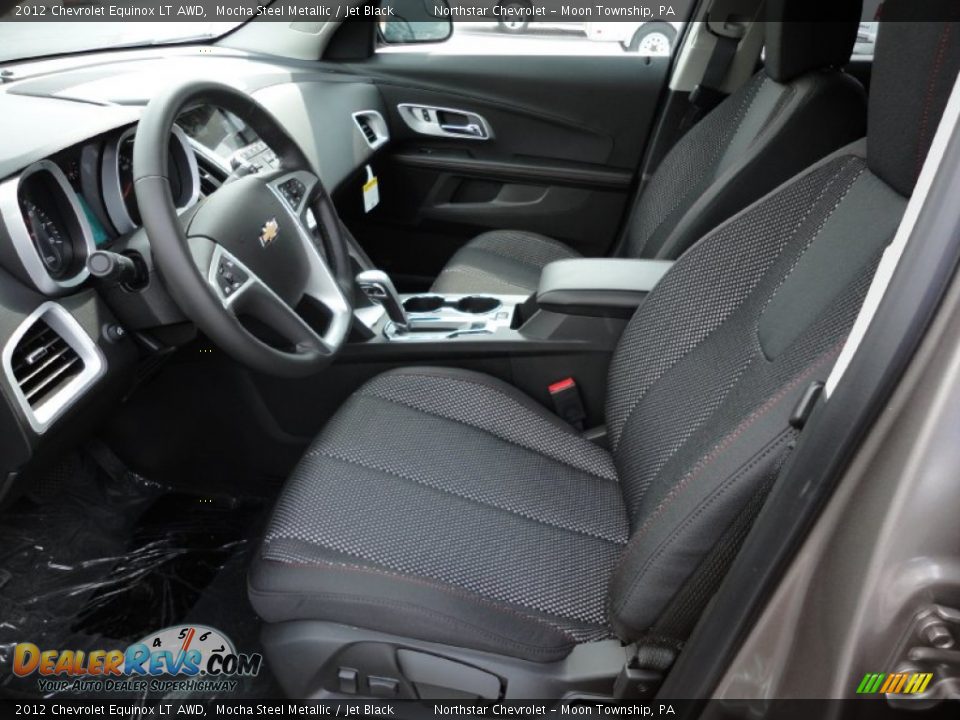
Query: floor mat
pixel 90 561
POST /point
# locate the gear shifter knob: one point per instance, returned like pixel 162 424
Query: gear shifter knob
pixel 378 287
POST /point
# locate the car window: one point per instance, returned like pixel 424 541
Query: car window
pixel 518 33
pixel 867 33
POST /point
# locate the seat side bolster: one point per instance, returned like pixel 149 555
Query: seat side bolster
pixel 670 542
pixel 393 602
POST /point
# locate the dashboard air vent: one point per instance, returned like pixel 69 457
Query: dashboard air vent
pixel 372 126
pixel 43 363
pixel 367 131
pixel 50 362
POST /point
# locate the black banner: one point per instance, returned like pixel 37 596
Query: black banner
pixel 207 11
pixel 423 710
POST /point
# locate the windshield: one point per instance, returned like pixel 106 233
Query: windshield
pixel 24 34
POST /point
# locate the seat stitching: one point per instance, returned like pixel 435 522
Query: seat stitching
pixel 528 448
pixel 490 602
pixel 928 100
pixel 482 503
pixel 718 450
pixel 701 508
pixel 796 261
pixel 486 388
pixel 636 402
pixel 706 180
pixel 380 602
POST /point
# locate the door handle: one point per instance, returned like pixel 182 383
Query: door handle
pixel 432 120
pixel 468 129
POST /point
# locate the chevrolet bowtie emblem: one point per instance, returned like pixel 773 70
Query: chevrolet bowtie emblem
pixel 269 232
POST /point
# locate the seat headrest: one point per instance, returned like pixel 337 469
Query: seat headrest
pixel 914 69
pixel 796 45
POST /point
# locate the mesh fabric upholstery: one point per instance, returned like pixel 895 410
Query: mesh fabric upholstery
pixel 506 262
pixel 689 168
pixel 698 417
pixel 446 477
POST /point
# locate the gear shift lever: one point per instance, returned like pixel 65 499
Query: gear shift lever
pixel 378 287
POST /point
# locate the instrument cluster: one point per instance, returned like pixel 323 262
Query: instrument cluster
pixel 57 211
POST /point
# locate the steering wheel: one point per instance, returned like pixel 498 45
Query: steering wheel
pixel 243 264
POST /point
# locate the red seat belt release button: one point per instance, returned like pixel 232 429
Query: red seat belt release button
pixel 566 401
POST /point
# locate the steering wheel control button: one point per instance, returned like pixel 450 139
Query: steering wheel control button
pixel 230 278
pixel 293 192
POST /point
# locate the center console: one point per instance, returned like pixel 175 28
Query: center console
pixel 433 318
pixel 567 329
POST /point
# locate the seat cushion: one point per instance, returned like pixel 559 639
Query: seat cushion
pixel 506 262
pixel 447 506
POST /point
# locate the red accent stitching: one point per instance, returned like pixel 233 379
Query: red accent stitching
pixel 934 74
pixel 432 585
pixel 723 445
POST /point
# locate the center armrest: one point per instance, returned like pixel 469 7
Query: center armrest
pixel 598 287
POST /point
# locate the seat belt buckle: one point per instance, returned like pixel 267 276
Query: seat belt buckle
pixel 566 401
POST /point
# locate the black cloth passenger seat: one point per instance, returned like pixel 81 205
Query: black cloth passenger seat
pixel 799 108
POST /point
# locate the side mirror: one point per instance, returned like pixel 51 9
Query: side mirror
pixel 404 22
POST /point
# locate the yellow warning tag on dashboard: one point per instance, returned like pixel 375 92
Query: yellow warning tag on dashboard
pixel 371 191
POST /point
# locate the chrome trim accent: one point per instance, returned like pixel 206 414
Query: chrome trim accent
pixel 219 253
pixel 11 216
pixel 377 124
pixel 110 178
pixel 94 365
pixel 448 322
pixel 412 114
pixel 323 286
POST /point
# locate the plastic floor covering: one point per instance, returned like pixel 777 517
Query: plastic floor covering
pixel 89 561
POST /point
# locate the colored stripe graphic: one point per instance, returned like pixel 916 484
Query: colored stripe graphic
pixel 894 684
pixel 918 683
pixel 871 682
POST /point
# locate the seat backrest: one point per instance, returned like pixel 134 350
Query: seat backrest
pixel 711 367
pixel 796 110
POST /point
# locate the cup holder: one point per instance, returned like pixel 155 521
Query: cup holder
pixel 423 303
pixel 477 304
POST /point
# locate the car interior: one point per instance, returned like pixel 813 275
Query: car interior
pixel 459 376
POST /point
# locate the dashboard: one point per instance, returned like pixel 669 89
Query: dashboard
pixel 66 190
pixel 60 209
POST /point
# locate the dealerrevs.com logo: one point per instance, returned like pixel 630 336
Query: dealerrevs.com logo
pixel 193 657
